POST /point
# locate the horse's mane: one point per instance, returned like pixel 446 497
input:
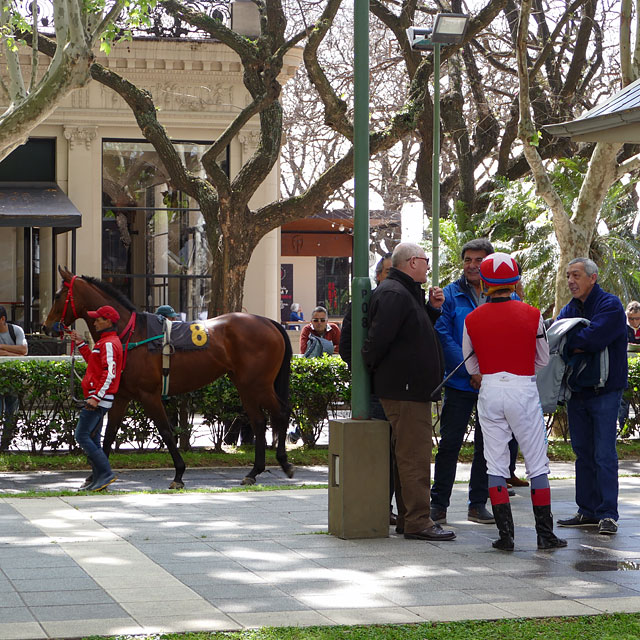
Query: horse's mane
pixel 111 291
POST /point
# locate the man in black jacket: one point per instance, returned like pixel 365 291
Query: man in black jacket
pixel 403 354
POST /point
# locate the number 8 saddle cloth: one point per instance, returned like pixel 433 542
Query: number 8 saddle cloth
pixel 182 336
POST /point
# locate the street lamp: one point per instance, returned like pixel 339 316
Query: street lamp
pixel 448 28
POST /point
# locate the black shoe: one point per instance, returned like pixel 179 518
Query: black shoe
pixel 511 492
pixel 480 514
pixel 435 534
pixel 608 527
pixel 399 529
pixel 438 515
pixel 578 520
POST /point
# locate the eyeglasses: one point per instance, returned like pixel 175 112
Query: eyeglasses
pixel 419 258
pixel 318 319
pixel 634 318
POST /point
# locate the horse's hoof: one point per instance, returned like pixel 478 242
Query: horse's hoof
pixel 247 480
pixel 290 471
pixel 176 485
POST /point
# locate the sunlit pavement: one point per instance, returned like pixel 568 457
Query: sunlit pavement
pixel 143 563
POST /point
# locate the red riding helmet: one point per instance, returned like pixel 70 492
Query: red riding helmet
pixel 499 270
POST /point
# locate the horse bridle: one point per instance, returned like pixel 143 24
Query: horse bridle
pixel 68 299
pixel 127 331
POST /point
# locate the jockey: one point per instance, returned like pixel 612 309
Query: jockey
pixel 506 343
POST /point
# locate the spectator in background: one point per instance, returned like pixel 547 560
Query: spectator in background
pixel 12 343
pixel 167 311
pixel 297 314
pixel 633 337
pixel 321 328
pixel 375 409
pixel 633 322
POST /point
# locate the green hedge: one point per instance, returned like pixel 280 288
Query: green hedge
pixel 47 415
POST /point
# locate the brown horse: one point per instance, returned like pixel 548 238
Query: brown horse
pixel 254 351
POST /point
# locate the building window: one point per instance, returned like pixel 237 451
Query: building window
pixel 333 276
pixel 154 246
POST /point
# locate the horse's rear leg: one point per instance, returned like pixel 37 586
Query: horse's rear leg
pixel 153 407
pixel 114 420
pixel 279 426
pixel 259 459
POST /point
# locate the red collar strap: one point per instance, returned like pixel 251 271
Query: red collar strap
pixel 68 299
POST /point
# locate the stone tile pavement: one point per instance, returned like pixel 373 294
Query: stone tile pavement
pixel 135 563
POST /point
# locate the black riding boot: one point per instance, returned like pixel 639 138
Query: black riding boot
pixel 544 528
pixel 504 522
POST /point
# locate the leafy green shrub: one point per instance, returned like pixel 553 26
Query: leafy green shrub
pixel 47 415
pixel 318 386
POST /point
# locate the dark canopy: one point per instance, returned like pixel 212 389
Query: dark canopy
pixel 37 204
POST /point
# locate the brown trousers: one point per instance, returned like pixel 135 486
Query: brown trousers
pixel 411 438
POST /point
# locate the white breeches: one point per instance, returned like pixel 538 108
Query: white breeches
pixel 510 405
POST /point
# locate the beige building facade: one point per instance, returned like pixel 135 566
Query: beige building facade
pixel 137 231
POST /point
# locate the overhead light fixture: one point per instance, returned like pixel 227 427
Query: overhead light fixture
pixel 449 28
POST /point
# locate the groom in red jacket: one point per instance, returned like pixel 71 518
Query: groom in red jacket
pixel 99 385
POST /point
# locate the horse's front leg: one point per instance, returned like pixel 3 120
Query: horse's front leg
pixel 114 420
pixel 153 407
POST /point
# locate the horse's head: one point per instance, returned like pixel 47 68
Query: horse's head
pixel 61 303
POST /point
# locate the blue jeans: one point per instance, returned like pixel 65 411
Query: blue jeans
pixel 454 420
pixel 88 433
pixel 592 426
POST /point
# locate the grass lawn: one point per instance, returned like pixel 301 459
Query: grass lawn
pixel 604 627
pixel 237 457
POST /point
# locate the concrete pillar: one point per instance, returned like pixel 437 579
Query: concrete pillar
pixel 359 478
pixel 85 191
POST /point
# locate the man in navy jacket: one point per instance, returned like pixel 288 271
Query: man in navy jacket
pixel 461 392
pixel 593 412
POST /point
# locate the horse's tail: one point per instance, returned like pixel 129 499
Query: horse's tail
pixel 281 383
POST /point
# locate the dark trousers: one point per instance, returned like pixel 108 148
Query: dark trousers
pixel 513 456
pixel 592 426
pixel 454 420
pixel 411 434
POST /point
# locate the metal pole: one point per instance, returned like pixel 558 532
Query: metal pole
pixel 361 286
pixel 435 178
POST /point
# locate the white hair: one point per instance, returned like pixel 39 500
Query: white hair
pixel 405 251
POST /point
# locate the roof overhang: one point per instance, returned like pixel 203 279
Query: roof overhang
pixel 615 120
pixel 37 204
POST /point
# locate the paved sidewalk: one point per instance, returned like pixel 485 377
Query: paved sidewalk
pixel 146 563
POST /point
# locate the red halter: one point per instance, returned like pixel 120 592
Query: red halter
pixel 68 299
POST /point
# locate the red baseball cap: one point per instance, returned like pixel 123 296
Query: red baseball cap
pixel 105 312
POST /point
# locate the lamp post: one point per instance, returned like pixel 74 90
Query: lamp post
pixel 448 28
pixel 361 286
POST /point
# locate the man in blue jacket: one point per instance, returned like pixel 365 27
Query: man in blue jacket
pixel 460 392
pixel 593 412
